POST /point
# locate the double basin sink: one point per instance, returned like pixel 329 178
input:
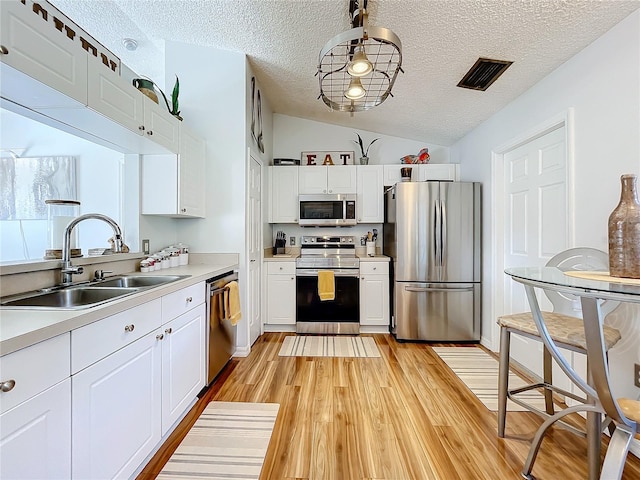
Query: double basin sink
pixel 90 294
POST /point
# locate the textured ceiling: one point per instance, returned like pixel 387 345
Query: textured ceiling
pixel 441 40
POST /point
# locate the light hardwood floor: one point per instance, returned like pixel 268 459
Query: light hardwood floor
pixel 402 416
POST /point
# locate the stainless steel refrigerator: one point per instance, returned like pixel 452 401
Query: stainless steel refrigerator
pixel 432 234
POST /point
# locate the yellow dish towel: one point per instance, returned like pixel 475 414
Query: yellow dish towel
pixel 232 302
pixel 326 285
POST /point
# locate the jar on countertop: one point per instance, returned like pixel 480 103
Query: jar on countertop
pixel 184 253
pixel 59 214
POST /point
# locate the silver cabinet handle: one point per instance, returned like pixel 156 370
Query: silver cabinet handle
pixel 3 50
pixel 189 299
pixel 160 336
pixel 7 386
pixel 168 330
pixel 129 328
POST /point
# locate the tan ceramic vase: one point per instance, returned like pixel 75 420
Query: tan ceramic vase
pixel 624 232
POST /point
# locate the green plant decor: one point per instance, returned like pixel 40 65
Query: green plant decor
pixel 174 99
pixel 173 109
pixel 365 152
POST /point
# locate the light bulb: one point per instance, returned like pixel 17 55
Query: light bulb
pixel 355 90
pixel 360 64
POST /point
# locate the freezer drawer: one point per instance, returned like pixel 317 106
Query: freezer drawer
pixel 437 312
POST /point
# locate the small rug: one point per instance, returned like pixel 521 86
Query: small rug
pixel 321 346
pixel 228 441
pixel 479 371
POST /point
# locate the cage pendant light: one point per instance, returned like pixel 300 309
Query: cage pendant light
pixel 373 55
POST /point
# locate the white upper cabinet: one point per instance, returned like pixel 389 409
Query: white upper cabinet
pixel 160 126
pixel 173 185
pixel 114 97
pixel 327 179
pixel 33 46
pixel 370 199
pixel 283 188
pixel 191 174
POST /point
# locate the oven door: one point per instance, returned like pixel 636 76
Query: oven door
pixel 338 316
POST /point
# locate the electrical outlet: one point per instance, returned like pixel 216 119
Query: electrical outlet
pixel 636 374
pixel 292 240
pixel 145 246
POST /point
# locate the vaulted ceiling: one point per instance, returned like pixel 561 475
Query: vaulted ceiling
pixel 441 40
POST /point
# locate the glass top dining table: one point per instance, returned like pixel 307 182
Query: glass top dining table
pixel 592 290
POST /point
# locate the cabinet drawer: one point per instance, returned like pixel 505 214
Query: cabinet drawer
pixel 99 339
pixel 374 268
pixel 281 268
pixel 34 369
pixel 177 303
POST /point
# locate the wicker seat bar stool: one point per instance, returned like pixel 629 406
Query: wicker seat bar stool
pixel 566 330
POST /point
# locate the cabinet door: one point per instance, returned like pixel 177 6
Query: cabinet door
pixel 312 180
pixel 284 194
pixel 36 436
pixel 114 97
pixel 116 411
pixel 281 293
pixel 374 293
pixel 183 364
pixel 36 48
pixel 440 171
pixel 160 126
pixel 191 174
pixel 341 179
pixel 374 300
pixel 392 174
pixel 370 200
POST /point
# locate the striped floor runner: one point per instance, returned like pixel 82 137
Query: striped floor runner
pixel 228 441
pixel 321 346
pixel 479 371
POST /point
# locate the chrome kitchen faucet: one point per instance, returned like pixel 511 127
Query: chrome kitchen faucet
pixel 67 268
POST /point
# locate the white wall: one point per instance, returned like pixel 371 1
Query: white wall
pixel 294 135
pixel 214 101
pixel 602 86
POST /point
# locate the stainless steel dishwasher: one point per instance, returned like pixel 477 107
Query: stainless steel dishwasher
pixel 221 335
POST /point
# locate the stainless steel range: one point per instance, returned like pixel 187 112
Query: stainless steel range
pixel 338 316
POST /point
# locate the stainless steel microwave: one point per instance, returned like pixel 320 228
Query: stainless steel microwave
pixel 327 210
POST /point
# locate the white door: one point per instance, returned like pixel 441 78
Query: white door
pixel 255 249
pixel 536 223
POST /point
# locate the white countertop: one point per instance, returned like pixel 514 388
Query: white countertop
pixel 20 328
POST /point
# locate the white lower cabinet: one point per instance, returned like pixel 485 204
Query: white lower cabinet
pixel 116 411
pixel 128 396
pixel 374 293
pixel 183 363
pixel 35 411
pixel 281 293
pixel 35 436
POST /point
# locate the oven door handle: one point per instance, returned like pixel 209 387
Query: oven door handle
pixel 336 273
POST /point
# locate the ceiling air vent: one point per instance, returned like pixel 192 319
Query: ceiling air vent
pixel 483 73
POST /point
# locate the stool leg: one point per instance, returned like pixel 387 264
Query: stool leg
pixel 503 378
pixel 617 452
pixel 547 367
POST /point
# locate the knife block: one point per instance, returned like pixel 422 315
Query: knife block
pixel 279 246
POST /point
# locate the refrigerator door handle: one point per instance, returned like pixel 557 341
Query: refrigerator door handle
pixel 435 289
pixel 436 236
pixel 443 234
